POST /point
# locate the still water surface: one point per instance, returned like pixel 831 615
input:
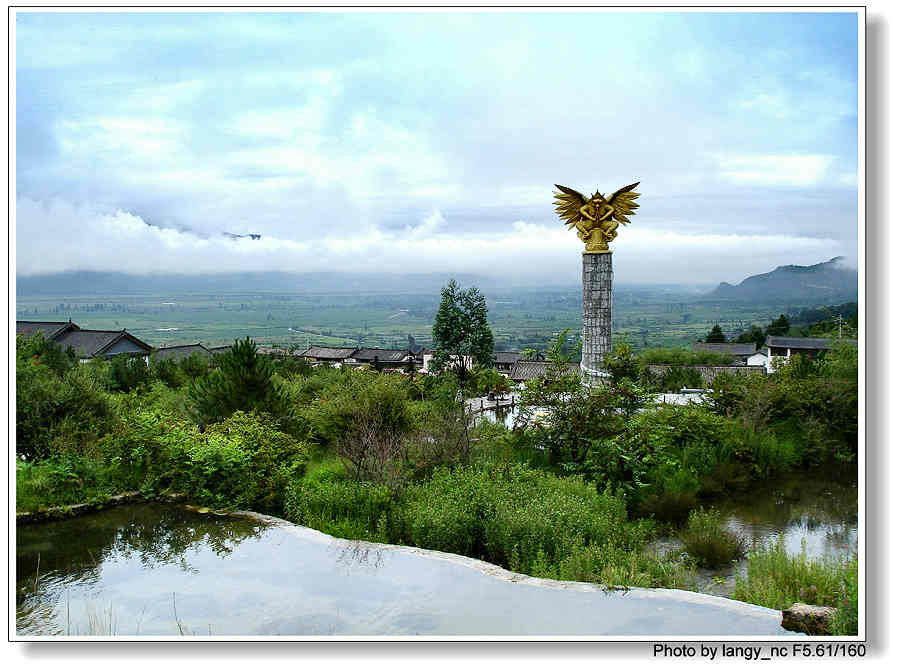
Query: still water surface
pixel 814 512
pixel 158 570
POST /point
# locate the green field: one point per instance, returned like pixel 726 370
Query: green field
pixel 519 318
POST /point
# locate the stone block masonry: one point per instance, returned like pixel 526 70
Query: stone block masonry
pixel 596 309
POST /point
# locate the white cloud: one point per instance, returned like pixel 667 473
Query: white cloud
pixel 121 241
pixel 432 222
pixel 797 170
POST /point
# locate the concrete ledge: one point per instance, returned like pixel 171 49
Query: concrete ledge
pixel 67 511
pixel 510 576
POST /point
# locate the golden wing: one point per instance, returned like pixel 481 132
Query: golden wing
pixel 623 203
pixel 568 204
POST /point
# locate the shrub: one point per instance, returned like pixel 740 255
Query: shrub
pixel 242 462
pixel 63 480
pixel 57 414
pixel 514 516
pixel 342 508
pixel 709 542
pixel 127 373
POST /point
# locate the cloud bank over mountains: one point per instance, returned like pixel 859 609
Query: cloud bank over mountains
pixel 124 242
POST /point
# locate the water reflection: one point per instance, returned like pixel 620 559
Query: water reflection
pixel 158 571
pixel 360 554
pixel 55 559
pixel 814 512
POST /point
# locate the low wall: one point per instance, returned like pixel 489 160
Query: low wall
pixel 710 372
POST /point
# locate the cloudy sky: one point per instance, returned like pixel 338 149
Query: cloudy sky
pixel 410 142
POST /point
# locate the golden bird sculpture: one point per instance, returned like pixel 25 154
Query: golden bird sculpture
pixel 596 218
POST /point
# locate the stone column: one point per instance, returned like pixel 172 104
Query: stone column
pixel 596 313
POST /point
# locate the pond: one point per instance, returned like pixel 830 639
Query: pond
pixel 814 511
pixel 160 570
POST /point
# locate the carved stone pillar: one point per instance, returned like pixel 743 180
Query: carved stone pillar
pixel 596 313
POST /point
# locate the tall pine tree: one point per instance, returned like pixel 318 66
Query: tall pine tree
pixel 715 334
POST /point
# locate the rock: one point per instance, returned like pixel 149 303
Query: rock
pixel 810 620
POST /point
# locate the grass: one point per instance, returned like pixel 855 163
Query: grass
pixel 776 579
pixel 709 542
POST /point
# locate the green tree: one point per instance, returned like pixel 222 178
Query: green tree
pixel 754 335
pixel 461 331
pixel 243 381
pixel 622 363
pixel 715 334
pixel 779 326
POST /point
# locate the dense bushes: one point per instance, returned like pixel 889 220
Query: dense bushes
pixel 514 516
pixel 342 508
pixel 60 406
pixel 243 462
pixel 520 518
pixel 810 407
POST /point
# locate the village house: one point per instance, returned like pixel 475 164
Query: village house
pixel 739 350
pixel 428 356
pixel 51 330
pixel 331 355
pixel 87 343
pixel 179 352
pixel 386 358
pixel 505 360
pixel 780 347
pixel 219 349
pixel 758 358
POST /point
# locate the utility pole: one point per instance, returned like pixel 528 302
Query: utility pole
pixel 840 319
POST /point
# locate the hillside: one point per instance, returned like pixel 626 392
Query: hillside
pixel 828 282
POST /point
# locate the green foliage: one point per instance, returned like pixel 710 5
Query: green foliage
pixel 461 330
pixel 615 566
pixel 809 407
pixel 675 378
pixel 715 334
pixel 177 373
pixel 44 352
pixel 777 579
pixel 359 395
pixel 709 542
pixel 243 381
pixel 674 356
pixel 63 480
pixel 779 326
pixel 341 508
pixel 754 335
pixel 56 413
pixel 622 364
pixel 514 516
pixel 127 373
pixel 488 380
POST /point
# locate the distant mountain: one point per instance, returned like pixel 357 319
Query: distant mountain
pixel 828 282
pixel 88 283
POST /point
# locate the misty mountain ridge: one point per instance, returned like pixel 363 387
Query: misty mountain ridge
pixel 828 282
pixel 89 283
